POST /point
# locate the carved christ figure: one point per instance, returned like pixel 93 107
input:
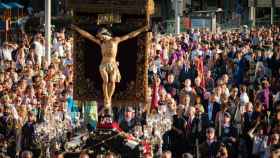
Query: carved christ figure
pixel 109 66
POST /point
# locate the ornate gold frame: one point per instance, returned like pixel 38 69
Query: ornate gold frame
pixel 83 89
pixel 136 94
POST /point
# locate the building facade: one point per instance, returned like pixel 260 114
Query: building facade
pixel 252 12
pixel 264 12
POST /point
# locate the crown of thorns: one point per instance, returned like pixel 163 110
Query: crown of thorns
pixel 104 31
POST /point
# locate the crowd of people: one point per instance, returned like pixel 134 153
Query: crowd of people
pixel 34 90
pixel 221 90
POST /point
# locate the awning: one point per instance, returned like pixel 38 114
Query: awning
pixel 4 6
pixel 15 5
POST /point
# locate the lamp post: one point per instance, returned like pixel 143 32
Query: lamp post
pixel 272 12
pixel 177 17
pixel 48 31
pixel 214 19
pixel 178 13
pixel 252 12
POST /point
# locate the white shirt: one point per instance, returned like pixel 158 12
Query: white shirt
pixel 61 51
pixel 6 53
pixel 226 92
pixel 58 47
pixel 209 53
pixel 67 62
pixel 259 145
pixel 14 111
pixel 196 53
pixel 39 49
pixel 244 98
pixel 165 54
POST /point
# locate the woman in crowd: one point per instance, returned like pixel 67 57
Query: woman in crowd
pixel 222 88
pixel 236 82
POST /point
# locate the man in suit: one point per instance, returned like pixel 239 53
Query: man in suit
pixel 211 108
pixel 199 90
pixel 129 121
pixel 229 135
pixel 28 139
pixel 196 128
pixel 187 72
pixel 7 123
pixel 210 83
pixel 233 102
pixel 190 128
pixel 210 147
pixel 172 86
pixel 8 130
pixel 249 117
pixel 178 133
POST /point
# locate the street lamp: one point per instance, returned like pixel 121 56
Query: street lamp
pixel 48 31
pixel 178 12
pixel 219 10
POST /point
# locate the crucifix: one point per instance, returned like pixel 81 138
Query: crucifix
pixel 108 68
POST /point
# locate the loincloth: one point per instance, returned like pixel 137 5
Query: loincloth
pixel 111 69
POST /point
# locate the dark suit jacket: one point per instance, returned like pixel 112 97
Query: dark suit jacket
pixel 28 140
pixel 232 132
pixel 197 128
pixel 127 126
pixel 189 73
pixel 7 126
pixel 173 86
pixel 231 146
pixel 209 151
pixel 209 84
pixel 216 108
pixel 249 122
pixel 199 91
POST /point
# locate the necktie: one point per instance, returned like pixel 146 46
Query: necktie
pixel 250 116
pixel 210 111
pixel 190 122
pixel 186 69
